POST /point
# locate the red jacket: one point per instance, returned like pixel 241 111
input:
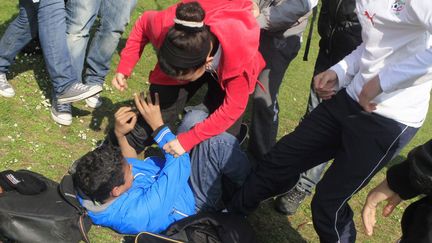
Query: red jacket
pixel 232 22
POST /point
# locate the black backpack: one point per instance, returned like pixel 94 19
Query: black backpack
pixel 202 228
pixel 55 215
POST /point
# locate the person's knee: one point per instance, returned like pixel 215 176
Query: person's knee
pixel 192 117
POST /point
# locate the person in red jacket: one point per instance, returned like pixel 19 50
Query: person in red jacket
pixel 197 42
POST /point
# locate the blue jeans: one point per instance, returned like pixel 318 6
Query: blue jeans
pixel 211 160
pixel 114 16
pixel 48 19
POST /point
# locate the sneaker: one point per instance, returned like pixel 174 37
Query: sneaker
pixel 61 113
pixel 94 101
pixel 288 203
pixel 6 89
pixel 77 92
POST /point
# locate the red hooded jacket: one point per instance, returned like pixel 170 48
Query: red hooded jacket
pixel 232 22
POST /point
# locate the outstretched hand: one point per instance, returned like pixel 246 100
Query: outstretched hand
pixel 325 84
pixel 380 193
pixel 150 111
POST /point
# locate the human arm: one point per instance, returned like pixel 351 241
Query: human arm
pixel 348 67
pixel 416 69
pixel 279 17
pixel 152 115
pixel 147 206
pixel 125 120
pixel 413 176
pixel 404 181
pixel 380 193
pixel 233 106
pixel 131 53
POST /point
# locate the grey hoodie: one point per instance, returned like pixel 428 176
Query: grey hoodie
pixel 284 17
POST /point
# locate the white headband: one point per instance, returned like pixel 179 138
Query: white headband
pixel 189 23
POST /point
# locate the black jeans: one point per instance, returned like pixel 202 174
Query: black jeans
pixel 173 99
pixel 360 143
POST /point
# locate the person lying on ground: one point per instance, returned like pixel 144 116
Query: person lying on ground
pixel 131 195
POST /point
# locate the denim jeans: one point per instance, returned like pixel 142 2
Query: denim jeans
pixel 211 160
pixel 48 20
pixel 114 16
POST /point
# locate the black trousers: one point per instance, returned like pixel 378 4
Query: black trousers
pixel 360 144
pixel 173 99
pixel 417 222
pixel 278 53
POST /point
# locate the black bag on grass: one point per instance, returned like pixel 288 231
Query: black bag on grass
pixel 203 228
pixel 54 215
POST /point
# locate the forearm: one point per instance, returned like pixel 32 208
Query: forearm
pixel 135 44
pixel 413 176
pixel 234 105
pixel 126 149
pixel 412 71
pixel 348 67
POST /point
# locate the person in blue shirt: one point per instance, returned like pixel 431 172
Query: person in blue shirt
pixel 131 195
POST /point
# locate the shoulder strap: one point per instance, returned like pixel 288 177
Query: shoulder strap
pixel 68 193
pixel 309 39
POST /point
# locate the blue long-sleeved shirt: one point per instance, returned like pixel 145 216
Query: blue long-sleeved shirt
pixel 160 194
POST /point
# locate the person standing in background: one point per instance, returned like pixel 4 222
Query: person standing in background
pixel 47 20
pixel 282 24
pixel 113 15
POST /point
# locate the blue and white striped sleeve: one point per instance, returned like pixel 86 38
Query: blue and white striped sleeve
pixel 163 135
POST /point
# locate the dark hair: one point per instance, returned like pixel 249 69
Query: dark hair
pixel 186 40
pixel 98 172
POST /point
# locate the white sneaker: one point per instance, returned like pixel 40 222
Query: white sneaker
pixel 94 101
pixel 6 89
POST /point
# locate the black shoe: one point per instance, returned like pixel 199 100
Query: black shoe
pixel 288 203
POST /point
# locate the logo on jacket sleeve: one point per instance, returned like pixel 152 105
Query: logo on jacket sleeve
pixel 398 6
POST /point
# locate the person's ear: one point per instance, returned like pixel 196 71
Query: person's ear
pixel 116 191
pixel 208 62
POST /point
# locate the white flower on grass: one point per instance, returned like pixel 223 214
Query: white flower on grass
pixel 46 103
pixel 11 138
pixel 82 135
pixel 15 125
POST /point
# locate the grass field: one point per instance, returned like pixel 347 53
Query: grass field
pixel 30 139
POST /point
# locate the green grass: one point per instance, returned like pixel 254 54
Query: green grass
pixel 30 139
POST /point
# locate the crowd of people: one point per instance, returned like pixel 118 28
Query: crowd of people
pixel 369 96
